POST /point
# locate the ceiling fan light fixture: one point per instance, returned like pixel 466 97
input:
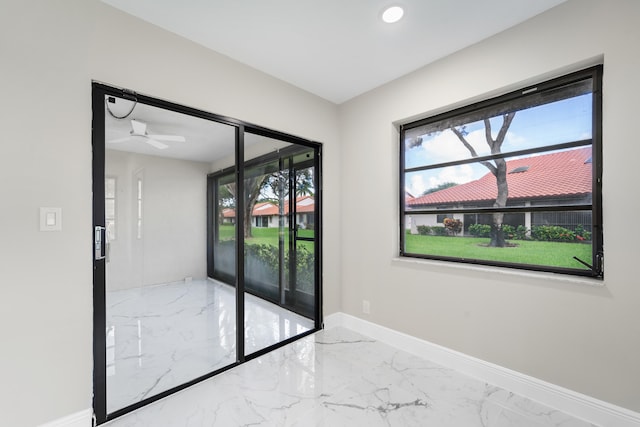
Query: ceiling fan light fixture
pixel 139 132
pixel 392 14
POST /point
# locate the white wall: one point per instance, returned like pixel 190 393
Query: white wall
pixel 578 336
pixel 173 242
pixel 50 51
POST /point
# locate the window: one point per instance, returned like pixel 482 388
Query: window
pixel 518 175
pixel 262 221
pixel 441 217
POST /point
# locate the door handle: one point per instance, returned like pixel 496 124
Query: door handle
pixel 99 242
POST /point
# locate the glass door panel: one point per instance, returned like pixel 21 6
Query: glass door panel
pixel 222 262
pixel 271 313
pixel 167 323
pixel 303 294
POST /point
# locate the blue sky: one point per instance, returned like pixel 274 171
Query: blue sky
pixel 553 123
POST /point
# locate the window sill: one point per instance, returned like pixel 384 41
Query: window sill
pixel 448 267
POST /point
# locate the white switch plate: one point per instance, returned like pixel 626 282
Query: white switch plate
pixel 50 219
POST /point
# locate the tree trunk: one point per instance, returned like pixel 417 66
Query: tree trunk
pixel 497 233
pixel 498 169
pixel 247 223
pixel 253 186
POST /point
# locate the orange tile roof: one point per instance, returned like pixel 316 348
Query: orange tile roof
pixel 561 174
pixel 304 204
pixel 408 196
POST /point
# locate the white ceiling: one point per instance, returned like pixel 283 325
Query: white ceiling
pixel 204 140
pixel 336 49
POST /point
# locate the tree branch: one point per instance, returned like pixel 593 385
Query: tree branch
pixel 506 122
pixel 487 134
pixel 472 150
pixel 464 142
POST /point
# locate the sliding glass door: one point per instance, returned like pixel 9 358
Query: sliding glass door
pixel 279 238
pixel 204 250
pixel 272 191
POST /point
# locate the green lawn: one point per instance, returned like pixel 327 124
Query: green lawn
pixel 554 254
pixel 267 236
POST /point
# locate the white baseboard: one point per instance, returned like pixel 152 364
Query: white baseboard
pixel 79 419
pixel 579 405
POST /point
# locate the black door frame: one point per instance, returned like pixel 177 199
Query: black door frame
pixel 99 91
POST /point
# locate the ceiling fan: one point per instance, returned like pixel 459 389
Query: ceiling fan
pixel 139 129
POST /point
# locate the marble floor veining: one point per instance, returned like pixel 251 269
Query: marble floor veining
pixel 162 336
pixel 336 378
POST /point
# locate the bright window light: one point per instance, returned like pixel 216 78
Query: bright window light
pixel 392 14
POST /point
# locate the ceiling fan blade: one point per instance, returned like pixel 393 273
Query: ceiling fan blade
pixel 138 127
pixel 159 145
pixel 170 138
pixel 118 140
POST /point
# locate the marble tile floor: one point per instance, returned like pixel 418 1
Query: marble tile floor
pixel 336 378
pixel 162 336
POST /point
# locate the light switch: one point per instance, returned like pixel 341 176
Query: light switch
pixel 50 219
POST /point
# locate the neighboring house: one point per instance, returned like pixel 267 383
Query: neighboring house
pixel 266 214
pixel 537 180
pixel 305 211
pixel 228 216
pixel 407 198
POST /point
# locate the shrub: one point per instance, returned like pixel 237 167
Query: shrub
pixel 453 225
pixel 305 268
pixel 427 230
pixel 438 230
pixel 516 233
pixel 480 230
pixel 509 231
pixel 423 230
pixel 521 233
pixel 553 233
pixel 262 260
pixel 581 233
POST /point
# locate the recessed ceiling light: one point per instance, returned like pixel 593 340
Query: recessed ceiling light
pixel 392 14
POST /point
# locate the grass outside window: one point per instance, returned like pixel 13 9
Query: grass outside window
pixel 556 254
pixel 265 236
